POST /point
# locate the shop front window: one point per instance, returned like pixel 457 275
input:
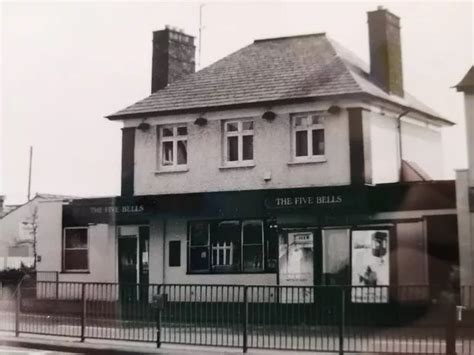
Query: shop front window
pixel 229 246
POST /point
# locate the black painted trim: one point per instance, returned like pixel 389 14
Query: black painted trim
pixel 128 161
pixel 356 146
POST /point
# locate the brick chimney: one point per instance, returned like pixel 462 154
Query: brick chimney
pixel 173 57
pixel 385 50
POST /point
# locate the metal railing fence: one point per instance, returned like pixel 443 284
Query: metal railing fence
pixel 339 319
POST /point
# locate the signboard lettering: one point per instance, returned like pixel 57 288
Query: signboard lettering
pixel 302 201
pixel 117 209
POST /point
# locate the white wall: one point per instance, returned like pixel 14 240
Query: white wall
pixel 272 153
pixel 384 148
pixel 422 144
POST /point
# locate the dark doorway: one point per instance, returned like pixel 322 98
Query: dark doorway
pixel 127 255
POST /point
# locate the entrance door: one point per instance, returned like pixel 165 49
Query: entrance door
pixel 127 255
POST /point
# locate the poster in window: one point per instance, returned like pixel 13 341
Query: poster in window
pixel 370 266
pixel 296 266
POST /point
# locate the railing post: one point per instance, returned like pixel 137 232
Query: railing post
pixel 17 310
pixel 83 312
pixel 342 321
pixel 451 329
pixel 158 321
pixel 245 314
pixel 57 284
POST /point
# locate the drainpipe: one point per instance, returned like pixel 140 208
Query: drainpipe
pixel 163 274
pixel 399 118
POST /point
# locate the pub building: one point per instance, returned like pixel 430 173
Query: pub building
pixel 288 162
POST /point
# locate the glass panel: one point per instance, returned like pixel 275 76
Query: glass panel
pixel 318 142
pixel 253 232
pixel 253 260
pixel 75 259
pixel 182 153
pixel 247 153
pixel 167 153
pixel 247 125
pixel 316 119
pixel 336 256
pixel 301 143
pixel 300 121
pixel 227 231
pixel 76 238
pixel 232 149
pixel 199 258
pixel 182 131
pixel 232 127
pixel 167 132
pixel 199 233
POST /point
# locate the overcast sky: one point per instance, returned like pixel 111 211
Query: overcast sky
pixel 65 65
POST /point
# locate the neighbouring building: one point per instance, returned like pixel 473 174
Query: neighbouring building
pixel 465 190
pixel 287 162
pixel 19 227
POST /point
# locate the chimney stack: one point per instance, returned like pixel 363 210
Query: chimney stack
pixel 173 57
pixel 385 50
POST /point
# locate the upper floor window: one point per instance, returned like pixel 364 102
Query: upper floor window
pixel 173 146
pixel 308 136
pixel 238 142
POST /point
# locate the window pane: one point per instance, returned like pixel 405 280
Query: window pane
pixel 167 158
pixel 182 131
pixel 227 231
pixel 253 232
pixel 167 132
pixel 232 149
pixel 301 143
pixel 182 153
pixel 253 260
pixel 248 125
pixel 76 238
pixel 300 121
pixel 318 142
pixel 232 127
pixel 199 233
pixel 336 256
pixel 75 259
pixel 316 119
pixel 247 153
pixel 199 258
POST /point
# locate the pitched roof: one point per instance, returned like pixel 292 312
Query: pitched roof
pixel 467 83
pixel 272 70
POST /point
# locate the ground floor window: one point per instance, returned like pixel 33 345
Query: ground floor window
pixel 231 246
pixel 76 249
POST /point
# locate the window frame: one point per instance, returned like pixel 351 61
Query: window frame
pixel 210 270
pixel 308 128
pixel 174 139
pixel 240 133
pixel 63 252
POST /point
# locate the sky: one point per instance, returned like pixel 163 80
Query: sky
pixel 65 65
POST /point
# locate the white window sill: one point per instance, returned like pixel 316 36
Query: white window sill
pixel 245 165
pixel 313 160
pixel 180 169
